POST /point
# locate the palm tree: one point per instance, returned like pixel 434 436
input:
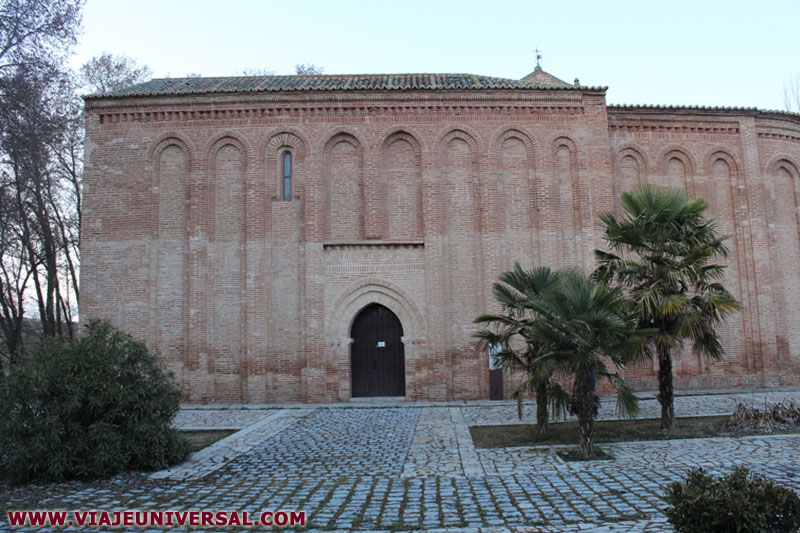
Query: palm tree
pixel 665 249
pixel 569 327
pixel 507 335
pixel 583 326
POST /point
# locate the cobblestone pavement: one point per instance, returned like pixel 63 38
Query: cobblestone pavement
pixel 414 467
pixel 214 418
pixel 212 458
pixel 685 405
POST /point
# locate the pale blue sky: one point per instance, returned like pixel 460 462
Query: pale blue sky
pixel 729 53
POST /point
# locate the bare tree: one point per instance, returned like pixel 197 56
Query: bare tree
pixel 791 94
pixel 35 37
pixel 67 170
pixel 15 273
pixel 107 72
pixel 36 31
pixel 299 69
pixel 308 69
pixel 258 71
pixel 30 127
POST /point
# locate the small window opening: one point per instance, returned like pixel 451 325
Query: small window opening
pixel 287 176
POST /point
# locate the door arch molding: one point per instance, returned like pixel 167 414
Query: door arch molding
pixel 339 322
pixel 366 292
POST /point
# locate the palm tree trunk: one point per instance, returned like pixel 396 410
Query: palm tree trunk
pixel 541 407
pixel 586 443
pixel 585 387
pixel 665 389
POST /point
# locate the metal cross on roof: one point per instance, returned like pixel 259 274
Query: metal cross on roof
pixel 538 56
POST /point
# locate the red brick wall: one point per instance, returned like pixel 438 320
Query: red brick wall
pixel 416 200
pixel 724 157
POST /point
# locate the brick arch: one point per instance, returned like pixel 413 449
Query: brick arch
pixel 154 155
pixel 342 135
pixel 337 138
pixel 409 191
pixel 346 134
pixel 516 194
pixel 155 158
pixel 369 291
pixel 785 162
pixel 275 135
pixel 168 329
pixel 409 134
pixel 620 183
pixel 474 148
pixel 466 134
pixel 402 135
pixel 225 138
pixel 516 132
pixel 288 139
pixel 568 213
pixel 272 163
pixel 339 323
pixel 563 140
pixel 720 153
pixel 784 252
pixel 572 146
pixel 689 166
pixel 160 143
pixel 630 150
pixel 677 152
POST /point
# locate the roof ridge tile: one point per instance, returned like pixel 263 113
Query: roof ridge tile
pixel 326 82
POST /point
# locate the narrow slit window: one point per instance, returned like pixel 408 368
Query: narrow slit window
pixel 287 176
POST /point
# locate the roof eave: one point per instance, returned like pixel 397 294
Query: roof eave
pixel 655 108
pixel 157 94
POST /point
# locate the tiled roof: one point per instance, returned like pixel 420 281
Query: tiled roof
pixel 333 82
pixel 545 79
pixel 651 107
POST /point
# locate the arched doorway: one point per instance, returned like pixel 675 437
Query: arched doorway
pixel 377 356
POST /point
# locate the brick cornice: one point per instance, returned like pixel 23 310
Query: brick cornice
pixel 318 113
pixel 256 99
pixel 379 245
pixel 778 128
pixel 714 120
pixel 249 108
pixel 665 123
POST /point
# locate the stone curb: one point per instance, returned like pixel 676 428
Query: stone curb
pixel 402 402
pixel 222 452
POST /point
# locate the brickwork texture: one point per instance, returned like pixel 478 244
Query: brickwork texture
pixel 415 199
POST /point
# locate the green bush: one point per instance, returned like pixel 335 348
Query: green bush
pixel 88 409
pixel 738 502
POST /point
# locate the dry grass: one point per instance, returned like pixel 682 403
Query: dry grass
pixel 200 439
pixel 783 416
pixel 605 431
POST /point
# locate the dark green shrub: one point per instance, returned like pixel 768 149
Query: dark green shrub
pixel 88 409
pixel 738 502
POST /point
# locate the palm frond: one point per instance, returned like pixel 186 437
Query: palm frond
pixel 558 401
pixel 627 402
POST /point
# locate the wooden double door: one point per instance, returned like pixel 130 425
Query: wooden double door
pixel 377 357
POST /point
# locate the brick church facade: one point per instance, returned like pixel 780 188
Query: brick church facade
pixel 317 238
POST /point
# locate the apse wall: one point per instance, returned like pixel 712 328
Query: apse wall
pixel 742 163
pixel 416 201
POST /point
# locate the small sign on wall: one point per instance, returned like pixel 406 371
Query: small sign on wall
pixel 381 344
pixel 495 362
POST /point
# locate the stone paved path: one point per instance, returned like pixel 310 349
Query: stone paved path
pixel 192 417
pixel 414 467
pixel 685 405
